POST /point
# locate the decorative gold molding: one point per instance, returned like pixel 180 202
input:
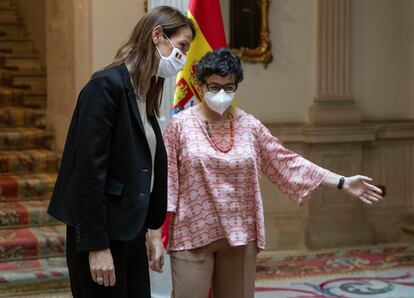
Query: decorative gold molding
pixel 146 6
pixel 261 54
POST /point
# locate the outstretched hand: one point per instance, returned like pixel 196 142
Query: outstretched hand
pixel 361 188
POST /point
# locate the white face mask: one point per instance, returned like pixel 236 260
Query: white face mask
pixel 171 65
pixel 218 102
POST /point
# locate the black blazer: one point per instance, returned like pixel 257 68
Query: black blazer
pixel 103 186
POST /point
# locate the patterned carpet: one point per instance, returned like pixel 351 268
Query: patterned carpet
pixel 31 243
pixel 379 271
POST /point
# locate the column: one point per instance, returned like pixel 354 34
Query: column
pixel 333 103
pixel 412 61
pixel 336 135
pixel 68 60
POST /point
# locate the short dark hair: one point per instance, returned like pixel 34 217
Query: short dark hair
pixel 221 62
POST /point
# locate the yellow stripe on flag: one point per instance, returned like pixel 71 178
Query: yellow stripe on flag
pixel 199 47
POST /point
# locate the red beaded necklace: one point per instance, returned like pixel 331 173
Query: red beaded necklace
pixel 213 142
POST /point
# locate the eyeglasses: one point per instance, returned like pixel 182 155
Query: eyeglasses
pixel 215 88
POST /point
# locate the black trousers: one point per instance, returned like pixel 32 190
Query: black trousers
pixel 131 269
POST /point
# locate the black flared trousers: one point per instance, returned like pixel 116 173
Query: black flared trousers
pixel 131 269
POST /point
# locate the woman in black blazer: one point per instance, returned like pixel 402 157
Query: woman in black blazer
pixel 112 184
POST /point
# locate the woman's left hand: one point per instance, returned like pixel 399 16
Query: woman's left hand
pixel 155 250
pixel 156 256
pixel 361 188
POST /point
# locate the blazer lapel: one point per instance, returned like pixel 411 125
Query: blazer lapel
pixel 134 107
pixel 157 130
pixel 132 101
pixel 160 162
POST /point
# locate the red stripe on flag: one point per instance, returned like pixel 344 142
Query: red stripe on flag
pixel 165 230
pixel 208 17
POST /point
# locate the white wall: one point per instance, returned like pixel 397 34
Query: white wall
pixel 382 47
pixel 112 23
pixel 382 53
pixel 284 91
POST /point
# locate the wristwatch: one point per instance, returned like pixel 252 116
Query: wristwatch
pixel 341 182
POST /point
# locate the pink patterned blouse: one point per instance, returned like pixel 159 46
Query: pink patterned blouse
pixel 216 195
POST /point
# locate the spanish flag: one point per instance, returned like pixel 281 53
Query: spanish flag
pixel 206 16
pixel 207 19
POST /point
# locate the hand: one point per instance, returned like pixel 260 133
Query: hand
pixel 102 267
pixel 155 254
pixel 361 188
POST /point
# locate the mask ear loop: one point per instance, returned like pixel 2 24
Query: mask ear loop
pixel 172 51
pixel 165 35
pixel 173 48
pixel 159 52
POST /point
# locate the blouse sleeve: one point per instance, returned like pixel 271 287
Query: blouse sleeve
pixel 293 174
pixel 171 140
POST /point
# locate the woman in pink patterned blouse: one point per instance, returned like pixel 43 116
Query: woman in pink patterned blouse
pixel 216 154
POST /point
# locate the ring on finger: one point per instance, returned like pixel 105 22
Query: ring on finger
pixel 99 280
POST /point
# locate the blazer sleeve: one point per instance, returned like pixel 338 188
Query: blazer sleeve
pixel 97 111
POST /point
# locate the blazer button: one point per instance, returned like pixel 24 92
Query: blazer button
pixel 77 233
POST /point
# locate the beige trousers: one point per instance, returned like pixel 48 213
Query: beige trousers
pixel 227 271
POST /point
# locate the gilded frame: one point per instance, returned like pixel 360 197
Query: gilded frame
pixel 261 54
